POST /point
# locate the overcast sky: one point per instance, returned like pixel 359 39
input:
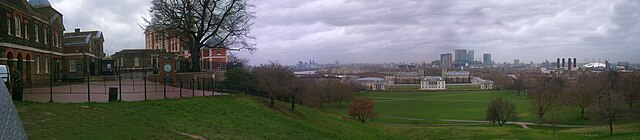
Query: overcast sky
pixel 377 31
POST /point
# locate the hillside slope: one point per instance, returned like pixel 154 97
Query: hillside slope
pixel 228 117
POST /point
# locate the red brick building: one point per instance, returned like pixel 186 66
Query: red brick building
pixel 160 41
pixel 31 38
pixel 213 59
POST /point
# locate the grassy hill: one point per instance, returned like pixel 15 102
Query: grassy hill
pixel 228 117
pixel 239 117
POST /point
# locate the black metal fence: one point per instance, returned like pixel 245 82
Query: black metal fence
pixel 124 86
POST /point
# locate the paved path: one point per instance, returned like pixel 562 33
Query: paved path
pixel 523 123
pixel 131 90
pixel 475 122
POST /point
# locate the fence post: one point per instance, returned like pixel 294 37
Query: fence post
pixel 104 80
pixel 89 88
pixel 211 85
pixel 51 87
pixel 193 90
pixel 164 82
pixel 120 87
pixel 202 86
pixel 180 87
pixel 144 79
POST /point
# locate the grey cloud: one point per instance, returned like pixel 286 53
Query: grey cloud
pixel 403 30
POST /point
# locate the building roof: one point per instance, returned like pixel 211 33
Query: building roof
pixel 487 82
pixel 433 78
pixel 407 74
pixel 458 73
pixel 482 81
pixel 39 3
pixel 81 38
pixel 371 79
pixel 213 42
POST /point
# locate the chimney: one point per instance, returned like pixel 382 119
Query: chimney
pixel 569 66
pixel 564 62
pixel 575 62
pixel 558 63
pixel 77 30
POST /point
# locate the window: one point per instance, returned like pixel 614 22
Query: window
pixel 72 66
pixel 45 36
pixel 38 64
pixel 218 53
pixel 36 33
pixel 136 62
pixel 17 23
pixel 26 31
pixel 46 64
pixel 218 64
pixel 55 40
pixel 9 25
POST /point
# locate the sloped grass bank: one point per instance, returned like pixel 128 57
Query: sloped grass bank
pixel 220 117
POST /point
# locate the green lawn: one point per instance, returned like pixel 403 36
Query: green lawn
pixel 228 117
pixel 628 131
pixel 463 87
pixel 432 107
pixel 239 117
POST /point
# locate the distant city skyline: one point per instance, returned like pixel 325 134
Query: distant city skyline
pixel 377 31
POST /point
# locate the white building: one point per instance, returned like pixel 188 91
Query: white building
pixel 433 83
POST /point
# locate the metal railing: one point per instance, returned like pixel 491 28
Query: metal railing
pixel 131 86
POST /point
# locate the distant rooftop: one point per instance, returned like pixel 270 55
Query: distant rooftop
pixel 39 3
pixel 433 78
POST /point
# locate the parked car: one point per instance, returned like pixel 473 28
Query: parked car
pixel 4 73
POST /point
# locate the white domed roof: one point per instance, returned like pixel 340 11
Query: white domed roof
pixel 595 65
pixel 39 3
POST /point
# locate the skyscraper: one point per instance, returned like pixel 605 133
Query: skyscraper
pixel 470 56
pixel 461 55
pixel 446 60
pixel 486 59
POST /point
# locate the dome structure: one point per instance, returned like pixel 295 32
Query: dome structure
pixel 595 65
pixel 40 3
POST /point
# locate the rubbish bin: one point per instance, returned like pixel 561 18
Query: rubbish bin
pixel 113 94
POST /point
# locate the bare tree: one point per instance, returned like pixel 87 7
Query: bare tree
pixel 610 105
pixel 500 111
pixel 584 91
pixel 629 87
pixel 309 92
pixel 545 96
pixel 346 92
pixel 226 22
pixel 275 80
pixel 610 108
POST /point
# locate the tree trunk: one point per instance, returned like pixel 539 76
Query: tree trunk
pixel 611 127
pixel 272 101
pixel 582 113
pixel 195 56
pixel 539 120
pixel 293 102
